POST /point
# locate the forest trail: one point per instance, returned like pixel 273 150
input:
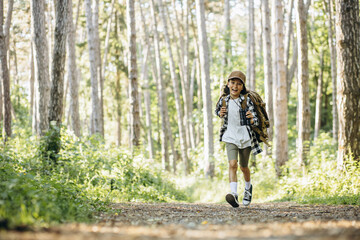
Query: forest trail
pixel 211 221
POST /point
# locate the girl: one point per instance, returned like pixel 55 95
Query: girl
pixel 238 113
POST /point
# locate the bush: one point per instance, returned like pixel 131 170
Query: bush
pixel 87 176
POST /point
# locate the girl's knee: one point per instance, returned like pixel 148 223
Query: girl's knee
pixel 244 168
pixel 233 164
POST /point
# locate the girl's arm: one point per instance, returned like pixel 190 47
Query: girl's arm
pixel 218 107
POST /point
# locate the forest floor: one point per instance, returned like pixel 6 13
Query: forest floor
pixel 210 221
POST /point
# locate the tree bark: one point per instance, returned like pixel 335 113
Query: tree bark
pixel 348 83
pixel 251 57
pixel 268 67
pixel 132 68
pixel 281 111
pixel 72 74
pixel 58 64
pixel 145 78
pixel 42 63
pixel 289 31
pixel 303 146
pixel 95 115
pixel 227 33
pixel 5 76
pixel 319 98
pixel 183 142
pixel 161 93
pixel 335 128
pixel 205 76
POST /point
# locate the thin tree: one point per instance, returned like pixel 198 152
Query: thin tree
pixel 348 83
pixel 268 66
pixel 319 90
pixel 72 73
pixel 161 93
pixel 95 115
pixel 280 97
pixel 329 9
pixel 205 76
pixel 251 55
pixel 5 75
pixel 134 102
pixel 57 76
pixel 303 143
pixel 227 33
pixel 145 78
pixel 183 142
pixel 42 63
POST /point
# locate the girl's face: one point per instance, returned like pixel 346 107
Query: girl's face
pixel 235 86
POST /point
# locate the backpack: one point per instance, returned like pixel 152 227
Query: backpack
pixel 264 123
pixel 259 106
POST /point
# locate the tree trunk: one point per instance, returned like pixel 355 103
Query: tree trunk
pixel 289 31
pixel 348 83
pixel 319 98
pixel 42 63
pixel 303 146
pixel 268 67
pixel 291 72
pixel 161 93
pixel 183 142
pixel 5 76
pixel 251 57
pixel 132 68
pixel 205 76
pixel 57 87
pixel 95 115
pixel 280 100
pixel 31 81
pixel 108 28
pixel 227 33
pixel 335 128
pixel 145 78
pixel 72 74
pixel 95 20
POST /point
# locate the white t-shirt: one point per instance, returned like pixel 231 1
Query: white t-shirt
pixel 236 134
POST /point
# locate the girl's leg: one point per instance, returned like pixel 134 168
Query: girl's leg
pixel 244 162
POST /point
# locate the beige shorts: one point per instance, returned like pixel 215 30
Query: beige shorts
pixel 233 152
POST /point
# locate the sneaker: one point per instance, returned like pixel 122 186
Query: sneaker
pixel 247 196
pixel 232 199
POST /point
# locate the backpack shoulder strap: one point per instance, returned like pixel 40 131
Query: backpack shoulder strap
pixel 244 103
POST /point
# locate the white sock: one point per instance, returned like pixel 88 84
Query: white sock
pixel 247 185
pixel 233 187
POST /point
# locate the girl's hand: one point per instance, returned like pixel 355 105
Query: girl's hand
pixel 249 115
pixel 222 111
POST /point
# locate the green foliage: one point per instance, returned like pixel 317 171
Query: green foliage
pixel 319 183
pixel 88 176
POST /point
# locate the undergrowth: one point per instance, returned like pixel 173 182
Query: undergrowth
pixel 87 176
pixel 320 182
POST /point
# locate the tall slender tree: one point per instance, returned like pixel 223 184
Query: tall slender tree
pixel 319 90
pixel 329 9
pixel 95 115
pixel 303 143
pixel 161 93
pixel 206 90
pixel 132 68
pixel 42 63
pixel 57 76
pixel 5 75
pixel 183 142
pixel 268 65
pixel 280 97
pixel 72 74
pixel 348 82
pixel 251 54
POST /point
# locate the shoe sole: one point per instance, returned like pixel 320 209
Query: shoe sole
pixel 231 200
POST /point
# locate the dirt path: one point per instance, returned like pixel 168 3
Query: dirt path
pixel 212 221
